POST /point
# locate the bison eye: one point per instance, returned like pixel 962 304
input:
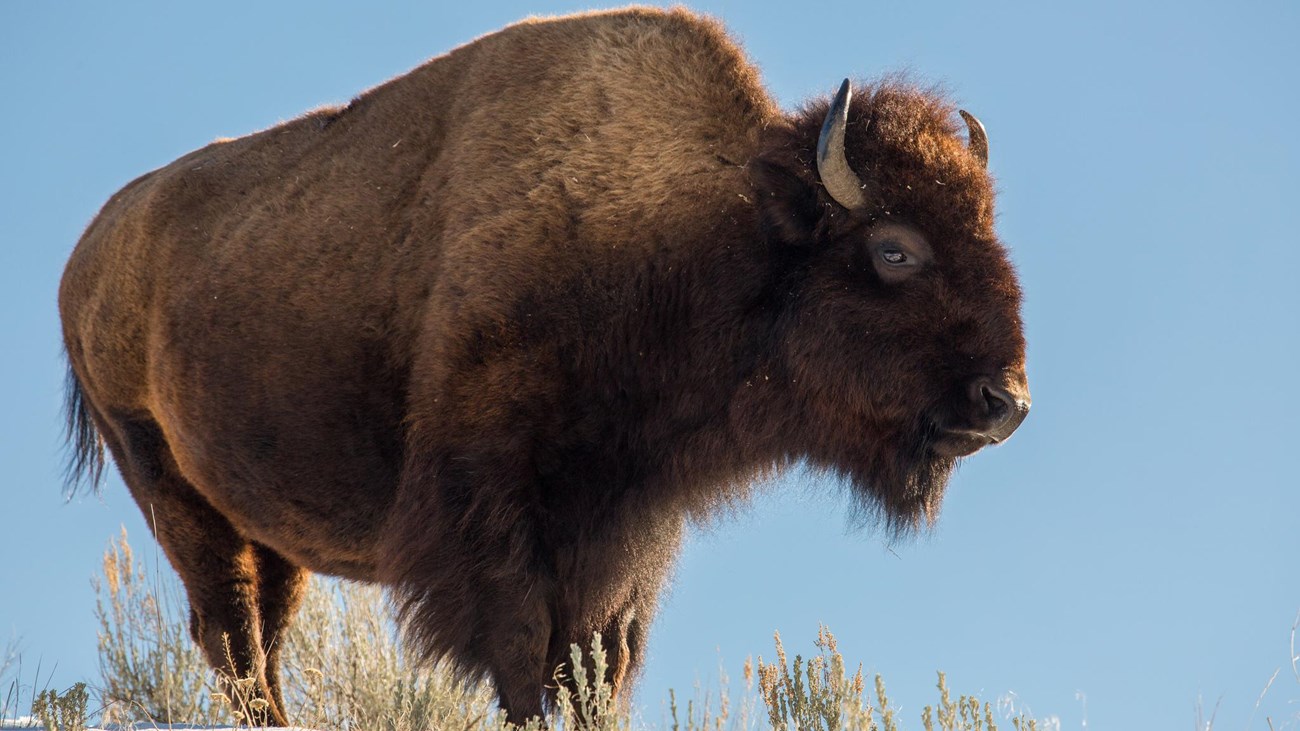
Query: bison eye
pixel 893 256
pixel 898 251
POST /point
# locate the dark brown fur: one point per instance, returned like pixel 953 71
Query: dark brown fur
pixel 492 332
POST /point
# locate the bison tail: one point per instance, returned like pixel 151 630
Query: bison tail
pixel 85 465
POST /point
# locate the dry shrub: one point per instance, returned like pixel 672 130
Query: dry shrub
pixel 345 671
pixel 819 695
pixel 149 668
pixel 62 711
pixel 345 668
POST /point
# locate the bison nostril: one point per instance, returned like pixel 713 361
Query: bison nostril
pixel 993 405
pixel 997 401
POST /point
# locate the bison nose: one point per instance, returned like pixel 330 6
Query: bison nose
pixel 998 409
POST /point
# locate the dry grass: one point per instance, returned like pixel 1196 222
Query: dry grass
pixel 345 671
pixel 149 669
pixel 820 695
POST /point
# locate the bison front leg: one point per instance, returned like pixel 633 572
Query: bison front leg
pixel 624 648
pixel 468 578
pixel 518 665
pixel 623 638
pixel 502 626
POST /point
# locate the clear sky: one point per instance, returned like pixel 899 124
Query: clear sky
pixel 1135 544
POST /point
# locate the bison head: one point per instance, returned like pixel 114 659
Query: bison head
pixel 900 335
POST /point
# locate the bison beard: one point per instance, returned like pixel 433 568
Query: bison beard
pixel 493 332
pixel 912 488
pixel 899 488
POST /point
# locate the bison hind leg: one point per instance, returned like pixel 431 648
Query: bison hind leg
pixel 241 594
pixel 280 589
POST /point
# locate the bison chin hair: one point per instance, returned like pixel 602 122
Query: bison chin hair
pixel 898 489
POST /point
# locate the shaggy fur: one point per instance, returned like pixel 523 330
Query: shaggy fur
pixel 490 333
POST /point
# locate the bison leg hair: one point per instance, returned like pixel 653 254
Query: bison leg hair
pixel 631 651
pixel 229 580
pixel 623 639
pixel 519 668
pixel 280 588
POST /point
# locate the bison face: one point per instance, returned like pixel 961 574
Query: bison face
pixel 902 334
pixel 970 341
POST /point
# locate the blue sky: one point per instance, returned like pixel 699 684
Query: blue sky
pixel 1136 543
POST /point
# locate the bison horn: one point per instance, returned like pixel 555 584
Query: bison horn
pixel 840 180
pixel 979 139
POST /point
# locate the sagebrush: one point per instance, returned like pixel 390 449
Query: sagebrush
pixel 347 671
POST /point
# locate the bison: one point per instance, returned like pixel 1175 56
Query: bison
pixel 491 333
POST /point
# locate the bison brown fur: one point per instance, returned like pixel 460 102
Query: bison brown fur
pixel 493 331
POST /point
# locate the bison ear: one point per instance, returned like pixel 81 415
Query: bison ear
pixel 788 202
